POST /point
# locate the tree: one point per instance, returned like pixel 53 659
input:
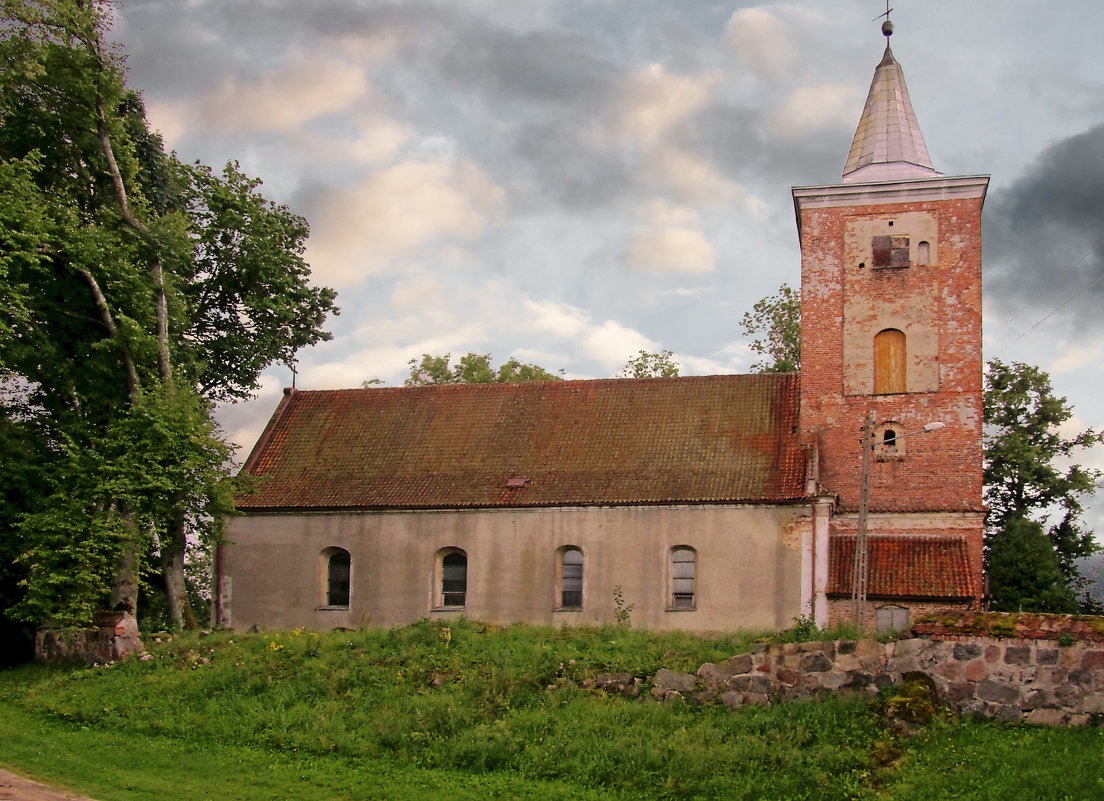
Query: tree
pixel 651 365
pixel 1024 573
pixel 1029 476
pixel 775 322
pixel 143 290
pixel 474 368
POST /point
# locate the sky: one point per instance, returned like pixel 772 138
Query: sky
pixel 569 182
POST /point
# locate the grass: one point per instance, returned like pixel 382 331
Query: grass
pixel 485 712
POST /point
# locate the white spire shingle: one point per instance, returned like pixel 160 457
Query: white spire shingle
pixel 888 145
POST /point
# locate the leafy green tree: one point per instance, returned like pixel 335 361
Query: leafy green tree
pixel 143 290
pixel 473 368
pixel 1024 573
pixel 1029 474
pixel 651 365
pixel 775 324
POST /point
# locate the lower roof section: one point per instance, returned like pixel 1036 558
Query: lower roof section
pixel 902 566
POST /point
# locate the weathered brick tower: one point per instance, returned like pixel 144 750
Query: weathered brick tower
pixel 891 332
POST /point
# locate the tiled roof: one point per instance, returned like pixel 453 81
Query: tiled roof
pixel 904 567
pixel 718 439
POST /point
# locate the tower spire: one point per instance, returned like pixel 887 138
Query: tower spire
pixel 888 145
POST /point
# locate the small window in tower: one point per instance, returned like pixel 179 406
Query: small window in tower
pixel 891 251
pixel 923 253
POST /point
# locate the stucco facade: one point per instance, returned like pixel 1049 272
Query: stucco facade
pixel 747 566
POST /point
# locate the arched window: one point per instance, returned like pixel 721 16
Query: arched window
pixel 454 579
pixel 683 589
pixel 571 578
pixel 339 566
pixel 923 253
pixel 890 362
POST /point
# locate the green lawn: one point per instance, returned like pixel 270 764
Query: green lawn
pixel 466 710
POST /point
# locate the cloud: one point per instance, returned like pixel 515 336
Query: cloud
pixel 1043 236
pixel 762 41
pixel 308 86
pixel 366 228
pixel 655 101
pixel 669 240
pixel 612 344
pixel 810 109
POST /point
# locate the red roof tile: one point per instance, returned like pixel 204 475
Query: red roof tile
pixel 614 441
pixel 904 567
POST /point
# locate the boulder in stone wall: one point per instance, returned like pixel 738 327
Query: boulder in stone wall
pixel 732 699
pixel 672 681
pixel 787 676
pixel 858 680
pixel 1048 717
pixel 833 680
pixel 848 662
pixel 908 648
pixel 713 675
pixel 1093 703
pixel 994 692
pixel 816 663
pixel 1046 656
pixel 1068 694
pixel 976 670
pixel 959 691
pixel 965 651
pixel 1017 655
pixel 1092 660
pixel 741 663
pixel 1011 712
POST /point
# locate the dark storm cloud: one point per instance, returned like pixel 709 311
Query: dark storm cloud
pixel 1039 230
pixel 567 169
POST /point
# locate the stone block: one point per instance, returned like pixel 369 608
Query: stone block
pixel 964 652
pixel 732 699
pixel 1051 675
pixel 994 692
pixel 833 680
pixel 959 691
pixel 909 647
pixel 872 664
pixel 787 676
pixel 1078 719
pixel 677 682
pixel 993 653
pixel 1046 656
pixel 1042 716
pixel 1082 678
pixel 845 647
pixel 951 671
pixel 1068 695
pixel 713 675
pixel 1092 660
pixel 1011 712
pixel 858 680
pixel 1093 703
pixel 848 662
pixel 908 664
pixel 1017 655
pixel 976 670
pixel 816 663
pixel 738 664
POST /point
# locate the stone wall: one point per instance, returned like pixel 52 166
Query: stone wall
pixel 1038 681
pixel 112 636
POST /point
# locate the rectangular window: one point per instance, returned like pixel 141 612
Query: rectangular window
pixel 891 251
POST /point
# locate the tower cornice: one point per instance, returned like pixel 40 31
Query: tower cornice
pixel 958 187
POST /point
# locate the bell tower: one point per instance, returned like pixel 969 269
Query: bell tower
pixel 891 334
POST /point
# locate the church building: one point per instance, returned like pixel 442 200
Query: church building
pixel 703 503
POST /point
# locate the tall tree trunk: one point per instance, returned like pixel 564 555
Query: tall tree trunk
pixel 172 566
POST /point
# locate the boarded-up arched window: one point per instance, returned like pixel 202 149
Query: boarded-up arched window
pixel 889 362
